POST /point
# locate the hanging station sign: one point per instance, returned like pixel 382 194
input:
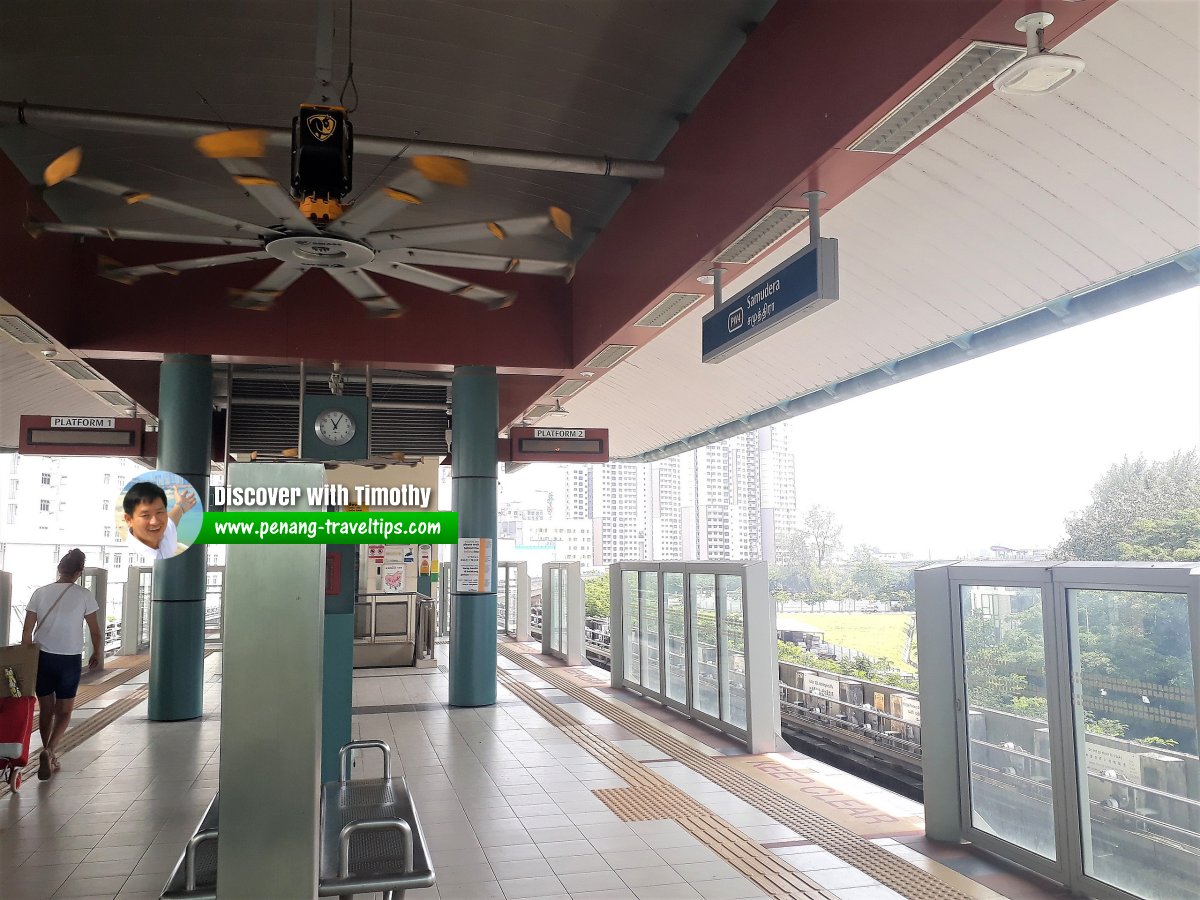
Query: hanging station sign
pixel 796 288
pixel 581 445
pixel 81 436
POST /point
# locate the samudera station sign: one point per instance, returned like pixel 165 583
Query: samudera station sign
pixel 796 288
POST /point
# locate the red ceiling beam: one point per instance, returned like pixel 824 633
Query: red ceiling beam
pixel 811 78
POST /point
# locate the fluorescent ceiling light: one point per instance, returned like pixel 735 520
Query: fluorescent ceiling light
pixel 761 236
pixel 949 88
pixel 1038 72
pixel 667 310
pixel 569 387
pixel 21 330
pixel 76 370
pixel 610 356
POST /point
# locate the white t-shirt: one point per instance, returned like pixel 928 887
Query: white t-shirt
pixel 166 547
pixel 60 629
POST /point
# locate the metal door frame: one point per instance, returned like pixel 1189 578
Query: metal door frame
pixel 1067 730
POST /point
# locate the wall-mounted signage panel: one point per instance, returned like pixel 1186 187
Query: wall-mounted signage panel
pixel 799 287
pixel 580 445
pixel 81 436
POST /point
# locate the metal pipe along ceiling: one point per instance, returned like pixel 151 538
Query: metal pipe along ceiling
pixel 130 123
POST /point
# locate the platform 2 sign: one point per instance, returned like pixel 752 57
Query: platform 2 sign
pixel 578 445
pixel 81 436
pixel 796 288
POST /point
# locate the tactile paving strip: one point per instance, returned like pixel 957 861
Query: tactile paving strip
pixel 898 874
pixel 651 796
pixel 119 675
pixel 77 734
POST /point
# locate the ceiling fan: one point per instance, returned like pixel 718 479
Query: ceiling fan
pixel 313 228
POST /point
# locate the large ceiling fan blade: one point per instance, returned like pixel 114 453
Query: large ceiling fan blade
pixel 264 294
pixel 134 234
pixel 553 220
pixel 66 169
pixel 457 259
pixel 489 297
pixel 416 186
pixel 366 290
pixel 236 152
pixel 130 274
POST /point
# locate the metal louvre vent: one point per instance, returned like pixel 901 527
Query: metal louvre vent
pixel 610 356
pixel 954 84
pixel 76 370
pixel 415 432
pixel 539 410
pixel 24 332
pixel 667 309
pixel 762 235
pixel 266 429
pixel 569 387
pixel 116 398
pixel 262 388
pixel 408 393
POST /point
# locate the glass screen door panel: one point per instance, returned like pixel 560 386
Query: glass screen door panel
pixel 560 609
pixel 501 598
pixel 730 608
pixel 1135 731
pixel 632 631
pixel 675 615
pixel 705 675
pixel 648 591
pixel 1008 742
pixel 555 608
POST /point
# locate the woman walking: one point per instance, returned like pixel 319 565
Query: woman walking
pixel 54 622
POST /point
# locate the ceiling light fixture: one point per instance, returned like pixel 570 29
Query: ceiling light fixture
pixel 1038 72
pixel 558 409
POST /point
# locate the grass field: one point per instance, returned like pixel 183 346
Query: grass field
pixel 875 634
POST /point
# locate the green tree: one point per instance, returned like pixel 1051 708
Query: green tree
pixel 595 596
pixel 822 535
pixel 1176 537
pixel 1146 506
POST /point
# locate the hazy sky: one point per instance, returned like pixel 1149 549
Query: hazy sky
pixel 999 449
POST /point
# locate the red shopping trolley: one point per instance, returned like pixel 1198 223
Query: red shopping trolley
pixel 18 675
pixel 16 727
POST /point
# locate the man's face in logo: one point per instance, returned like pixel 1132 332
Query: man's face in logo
pixel 148 522
pixel 322 126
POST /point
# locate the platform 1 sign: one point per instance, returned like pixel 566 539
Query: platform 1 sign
pixel 796 288
pixel 81 436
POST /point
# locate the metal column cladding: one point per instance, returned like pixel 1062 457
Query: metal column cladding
pixel 473 467
pixel 177 623
pixel 271 705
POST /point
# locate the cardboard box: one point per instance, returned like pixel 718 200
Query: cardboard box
pixel 23 661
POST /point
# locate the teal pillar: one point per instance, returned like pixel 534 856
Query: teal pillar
pixel 337 692
pixel 177 619
pixel 473 470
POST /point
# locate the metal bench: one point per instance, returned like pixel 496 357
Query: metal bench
pixel 371 840
pixel 195 875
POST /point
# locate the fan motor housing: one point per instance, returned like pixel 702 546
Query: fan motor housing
pixel 322 153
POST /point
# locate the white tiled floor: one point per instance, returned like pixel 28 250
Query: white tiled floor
pixel 505 800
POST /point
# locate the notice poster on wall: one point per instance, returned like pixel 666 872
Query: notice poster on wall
pixel 1101 759
pixel 393 578
pixel 375 553
pixel 880 701
pixel 474 560
pixel 825 688
pixel 910 710
pixel 425 558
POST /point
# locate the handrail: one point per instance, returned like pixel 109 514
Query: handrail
pixel 350 830
pixel 344 752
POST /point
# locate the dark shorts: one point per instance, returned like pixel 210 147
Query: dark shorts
pixel 58 674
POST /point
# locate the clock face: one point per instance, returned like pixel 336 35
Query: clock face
pixel 335 427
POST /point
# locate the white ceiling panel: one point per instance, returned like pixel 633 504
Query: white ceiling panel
pixel 1013 204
